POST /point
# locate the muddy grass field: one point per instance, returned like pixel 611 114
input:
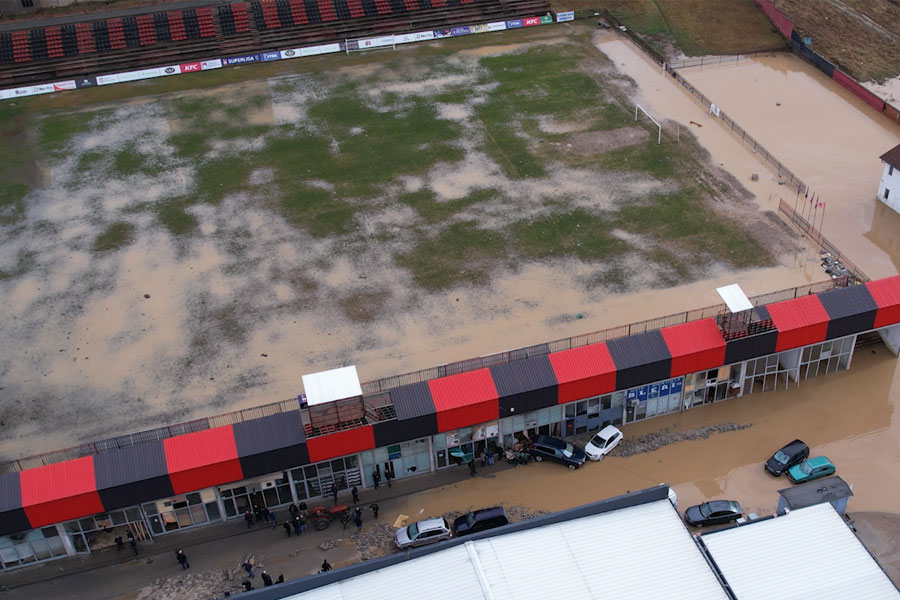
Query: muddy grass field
pixel 168 254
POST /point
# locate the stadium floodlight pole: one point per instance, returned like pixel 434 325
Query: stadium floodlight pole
pixel 638 106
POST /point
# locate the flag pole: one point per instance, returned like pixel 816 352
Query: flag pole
pixel 822 222
pixel 814 213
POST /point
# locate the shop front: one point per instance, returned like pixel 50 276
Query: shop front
pixel 271 491
pixel 403 459
pixel 34 546
pixel 453 448
pixel 313 481
pixel 182 511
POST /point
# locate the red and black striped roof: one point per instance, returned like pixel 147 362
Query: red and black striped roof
pixel 149 471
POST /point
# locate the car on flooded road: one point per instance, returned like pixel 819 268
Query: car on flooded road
pixel 813 468
pixel 480 520
pixel 792 454
pixel 421 533
pixel 551 448
pixel 603 442
pixel 714 512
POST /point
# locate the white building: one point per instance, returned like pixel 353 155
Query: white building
pixel 889 188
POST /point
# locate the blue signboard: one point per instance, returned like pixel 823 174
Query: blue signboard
pixel 514 24
pixel 267 56
pixel 631 395
pixel 240 60
pixel 654 390
pixel 562 17
pixel 460 31
pixel 642 393
pixel 664 388
pixel 676 385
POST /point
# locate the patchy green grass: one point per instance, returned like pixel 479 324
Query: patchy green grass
pixel 435 211
pixel 218 178
pixel 577 233
pixel 56 131
pixel 318 211
pixel 173 216
pixel 24 262
pixel 12 202
pixel 128 161
pixel 115 236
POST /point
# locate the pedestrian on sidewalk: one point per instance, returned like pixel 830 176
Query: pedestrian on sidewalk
pixel 355 493
pixel 132 542
pixel 334 493
pixel 490 459
pixel 325 566
pixel 301 517
pixel 264 514
pixel 280 579
pixel 296 523
pixel 472 468
pixel 267 579
pixel 258 512
pixel 376 477
pixel 248 567
pixel 374 508
pixel 272 519
pixel 119 543
pixel 182 559
pixel 248 518
pixel 287 528
pixel 247 585
pixel 358 520
pixel 389 474
pixel 345 520
pixel 293 510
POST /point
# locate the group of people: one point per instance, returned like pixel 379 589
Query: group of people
pixel 263 515
pixel 376 477
pixel 266 578
pixel 132 541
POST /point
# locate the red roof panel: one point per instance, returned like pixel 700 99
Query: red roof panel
pixel 60 491
pixel 202 459
pixel 800 322
pixel 694 346
pixel 886 293
pixel 340 443
pixel 465 399
pixel 584 372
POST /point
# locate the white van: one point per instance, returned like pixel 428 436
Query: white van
pixel 603 442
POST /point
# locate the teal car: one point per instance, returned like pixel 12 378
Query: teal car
pixel 813 468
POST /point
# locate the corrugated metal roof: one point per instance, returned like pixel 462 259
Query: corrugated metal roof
pixel 522 376
pixel 200 449
pixel 58 481
pixel 281 430
pixel 886 293
pixel 693 337
pixel 797 313
pixel 340 443
pixel 640 552
pixel 637 350
pixel 464 389
pixel 848 301
pixel 892 157
pixel 816 492
pixel 808 553
pixel 411 401
pixel 581 363
pixel 10 492
pixel 127 465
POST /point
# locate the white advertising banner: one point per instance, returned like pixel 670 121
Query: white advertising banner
pixel 64 85
pixel 323 49
pixel 206 65
pixel 498 26
pixel 170 70
pixel 419 36
pixel 292 53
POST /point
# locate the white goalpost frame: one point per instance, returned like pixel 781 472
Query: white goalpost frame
pixel 638 106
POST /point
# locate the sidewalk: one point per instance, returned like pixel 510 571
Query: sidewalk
pixel 235 533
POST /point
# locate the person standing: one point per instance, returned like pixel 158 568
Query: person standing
pixel 182 559
pixel 358 520
pixel 266 578
pixel 376 477
pixel 287 528
pixel 374 508
pixel 272 519
pixel 355 493
pixel 132 542
pixel 296 523
pixel 119 543
pixel 389 474
pixel 249 568
pixel 248 518
pixel 301 518
pixel 247 585
pixel 325 566
pixel 263 514
pixel 472 468
pixel 334 493
pixel 280 579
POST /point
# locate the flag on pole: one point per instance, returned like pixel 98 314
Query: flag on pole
pixel 806 195
pixel 812 198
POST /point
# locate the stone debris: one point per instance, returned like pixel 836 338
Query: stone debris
pixel 654 441
pixel 191 586
pixel 329 544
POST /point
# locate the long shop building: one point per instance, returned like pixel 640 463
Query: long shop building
pixel 163 486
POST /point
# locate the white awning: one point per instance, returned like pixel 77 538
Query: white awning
pixel 328 386
pixel 735 298
pixel 808 553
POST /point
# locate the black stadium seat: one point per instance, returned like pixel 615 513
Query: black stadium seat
pixel 101 36
pixel 312 11
pixel 226 19
pixel 161 28
pixel 284 13
pixel 191 26
pixel 38 44
pixel 6 51
pixel 130 29
pixel 69 40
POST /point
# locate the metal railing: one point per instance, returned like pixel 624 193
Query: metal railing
pixel 784 174
pixel 722 60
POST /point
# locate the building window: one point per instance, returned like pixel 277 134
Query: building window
pixel 890 169
pixel 319 479
pixel 887 193
pixel 180 512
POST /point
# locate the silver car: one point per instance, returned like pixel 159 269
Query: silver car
pixel 421 533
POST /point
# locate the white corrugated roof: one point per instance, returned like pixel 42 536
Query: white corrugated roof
pixel 641 552
pixel 332 385
pixel 808 553
pixel 735 298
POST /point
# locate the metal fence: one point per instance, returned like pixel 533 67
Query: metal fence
pixel 816 236
pixel 723 60
pixel 784 174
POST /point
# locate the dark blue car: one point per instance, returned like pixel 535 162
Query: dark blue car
pixel 559 450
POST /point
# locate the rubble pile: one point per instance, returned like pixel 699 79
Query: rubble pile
pixel 654 441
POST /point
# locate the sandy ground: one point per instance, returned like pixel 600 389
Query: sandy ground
pixel 121 349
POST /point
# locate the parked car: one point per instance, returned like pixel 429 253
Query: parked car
pixel 480 520
pixel 423 532
pixel 714 512
pixel 551 448
pixel 813 468
pixel 792 454
pixel 603 442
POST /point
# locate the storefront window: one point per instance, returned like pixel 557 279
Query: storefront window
pixel 319 479
pixel 270 492
pixel 30 547
pixel 181 512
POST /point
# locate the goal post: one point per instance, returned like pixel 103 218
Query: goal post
pixel 638 107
